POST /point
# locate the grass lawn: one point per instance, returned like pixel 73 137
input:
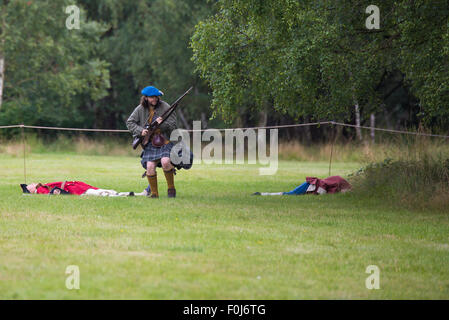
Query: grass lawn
pixel 215 240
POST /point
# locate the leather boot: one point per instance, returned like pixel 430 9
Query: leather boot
pixel 169 176
pixel 153 186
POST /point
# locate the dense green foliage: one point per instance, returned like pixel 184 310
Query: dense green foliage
pixel 412 182
pixel 147 43
pixel 92 77
pixel 259 62
pixel 50 71
pixel 318 58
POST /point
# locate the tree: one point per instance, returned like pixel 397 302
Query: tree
pixel 147 43
pixel 317 57
pixel 48 69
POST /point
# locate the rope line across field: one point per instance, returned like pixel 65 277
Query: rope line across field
pixel 224 129
pixel 23 126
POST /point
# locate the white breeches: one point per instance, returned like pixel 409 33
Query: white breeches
pixel 104 193
pixel 271 193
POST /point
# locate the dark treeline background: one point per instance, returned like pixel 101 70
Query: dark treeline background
pixel 251 63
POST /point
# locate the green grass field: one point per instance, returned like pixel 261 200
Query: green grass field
pixel 215 240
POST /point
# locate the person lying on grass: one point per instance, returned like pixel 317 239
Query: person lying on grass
pixel 71 187
pixel 314 185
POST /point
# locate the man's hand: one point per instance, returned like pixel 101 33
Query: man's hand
pixel 144 132
pixel 159 120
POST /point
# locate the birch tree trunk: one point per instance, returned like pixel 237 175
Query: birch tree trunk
pixel 307 131
pixel 203 121
pixel 183 119
pixel 358 131
pixel 263 116
pixel 357 121
pixel 372 124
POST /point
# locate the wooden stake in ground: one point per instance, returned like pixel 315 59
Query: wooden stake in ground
pixel 24 154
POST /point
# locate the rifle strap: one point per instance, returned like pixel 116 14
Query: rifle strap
pixel 157 131
pixel 150 118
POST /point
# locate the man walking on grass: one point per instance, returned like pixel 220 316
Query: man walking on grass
pixel 150 109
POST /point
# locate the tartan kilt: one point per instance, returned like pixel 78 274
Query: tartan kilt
pixel 151 153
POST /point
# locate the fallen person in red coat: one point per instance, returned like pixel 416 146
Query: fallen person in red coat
pixel 71 187
pixel 314 185
pixel 331 184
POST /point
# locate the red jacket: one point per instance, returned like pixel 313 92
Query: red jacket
pixel 73 187
pixel 331 184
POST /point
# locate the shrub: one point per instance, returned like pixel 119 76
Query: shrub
pixel 422 182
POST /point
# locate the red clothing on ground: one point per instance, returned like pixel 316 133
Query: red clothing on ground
pixel 73 187
pixel 331 184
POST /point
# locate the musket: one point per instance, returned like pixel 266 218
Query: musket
pixel 151 127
